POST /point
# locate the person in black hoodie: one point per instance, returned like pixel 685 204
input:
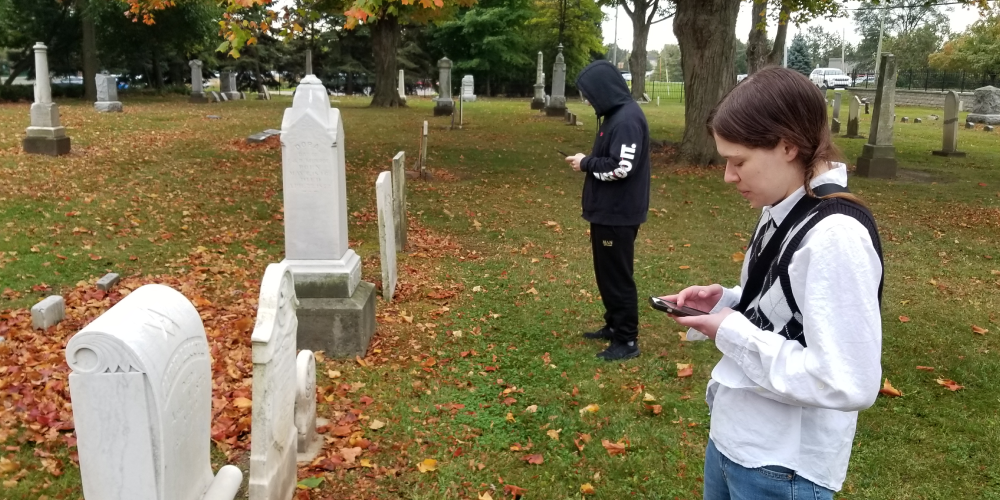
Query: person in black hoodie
pixel 615 201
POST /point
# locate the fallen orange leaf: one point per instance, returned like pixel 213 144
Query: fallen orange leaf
pixel 904 319
pixel 738 257
pixel 950 384
pixel 428 465
pixel 889 390
pixel 685 369
pixel 535 459
pixel 980 330
pixel 613 448
pixel 926 368
pixel 587 489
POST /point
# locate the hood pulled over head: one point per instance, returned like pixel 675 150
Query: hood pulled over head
pixel 602 85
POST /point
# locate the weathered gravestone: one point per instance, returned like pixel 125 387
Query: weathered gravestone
pixel 338 309
pixel 468 88
pixel 835 126
pixel 227 82
pixel 197 86
pixel 48 312
pixel 853 109
pixel 273 433
pixel 264 94
pixel 986 106
pixel 443 104
pixel 950 140
pixel 308 442
pixel 386 233
pixel 401 87
pixel 538 102
pixel 45 135
pixel 107 94
pixel 141 386
pixel 557 101
pixel 215 97
pixel 399 199
pixel 878 156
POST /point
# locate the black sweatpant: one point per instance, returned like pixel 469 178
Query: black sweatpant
pixel 614 251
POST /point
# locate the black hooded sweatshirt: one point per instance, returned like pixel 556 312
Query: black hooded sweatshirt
pixel 616 191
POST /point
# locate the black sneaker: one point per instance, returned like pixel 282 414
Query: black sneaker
pixel 605 333
pixel 620 351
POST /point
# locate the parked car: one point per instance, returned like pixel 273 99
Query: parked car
pixel 740 78
pixel 627 76
pixel 863 79
pixel 825 78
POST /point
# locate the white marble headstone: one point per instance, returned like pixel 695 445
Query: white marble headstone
pixel 399 199
pixel 315 185
pixel 468 88
pixel 273 433
pixel 309 442
pixel 386 233
pixel 141 386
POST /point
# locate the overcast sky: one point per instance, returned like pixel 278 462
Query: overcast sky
pixel 663 33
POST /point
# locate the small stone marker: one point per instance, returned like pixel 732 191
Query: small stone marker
pixel 423 153
pixel 557 101
pixel 950 140
pixel 399 199
pixel 197 88
pixel 45 136
pixel 970 125
pixel 905 119
pixel 468 88
pixel 917 120
pixel 646 98
pixel 141 386
pixel 386 233
pixel 224 96
pixel 273 433
pixel 988 128
pixel 443 104
pixel 401 87
pixel 657 100
pixel 48 312
pixel 878 156
pixel 108 281
pixel 213 117
pixel 260 137
pixel 107 94
pixel 308 441
pixel 935 117
pixel 986 107
pixel 852 118
pixel 216 97
pixel 835 126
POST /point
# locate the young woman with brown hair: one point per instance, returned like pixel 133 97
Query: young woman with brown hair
pixel 801 337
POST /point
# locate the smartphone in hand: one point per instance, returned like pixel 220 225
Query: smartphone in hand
pixel 672 308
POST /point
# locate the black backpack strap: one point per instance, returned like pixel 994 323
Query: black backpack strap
pixel 828 207
pixel 757 274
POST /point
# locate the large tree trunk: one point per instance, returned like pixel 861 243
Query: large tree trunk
pixel 385 38
pixel 757 48
pixel 89 49
pixel 706 33
pixel 641 15
pixel 778 49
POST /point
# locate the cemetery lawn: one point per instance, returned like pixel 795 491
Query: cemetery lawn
pixel 478 364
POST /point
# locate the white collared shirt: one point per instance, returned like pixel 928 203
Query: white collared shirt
pixel 775 402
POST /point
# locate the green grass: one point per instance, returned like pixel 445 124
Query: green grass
pixel 939 222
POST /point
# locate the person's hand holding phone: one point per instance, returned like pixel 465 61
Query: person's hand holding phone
pixel 574 161
pixel 704 298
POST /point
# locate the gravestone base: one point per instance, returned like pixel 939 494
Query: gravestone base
pixel 853 136
pixel 108 107
pixel 877 162
pixel 444 107
pixel 340 327
pixel 553 111
pixel 469 98
pixel 987 119
pixel 950 154
pixel 538 103
pixel 51 146
pixel 317 279
pixel 315 445
pixel 835 126
pixel 198 98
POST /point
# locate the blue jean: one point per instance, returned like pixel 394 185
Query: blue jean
pixel 728 480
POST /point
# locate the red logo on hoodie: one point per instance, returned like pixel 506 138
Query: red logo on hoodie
pixel 602 134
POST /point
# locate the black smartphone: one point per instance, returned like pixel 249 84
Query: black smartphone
pixel 560 152
pixel 672 308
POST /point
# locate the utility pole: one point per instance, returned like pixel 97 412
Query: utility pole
pixel 615 57
pixel 843 49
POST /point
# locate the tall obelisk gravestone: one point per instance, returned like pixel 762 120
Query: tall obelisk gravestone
pixel 557 103
pixel 538 102
pixel 45 135
pixel 337 311
pixel 197 87
pixel 878 157
pixel 950 145
pixel 443 104
pixel 835 125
